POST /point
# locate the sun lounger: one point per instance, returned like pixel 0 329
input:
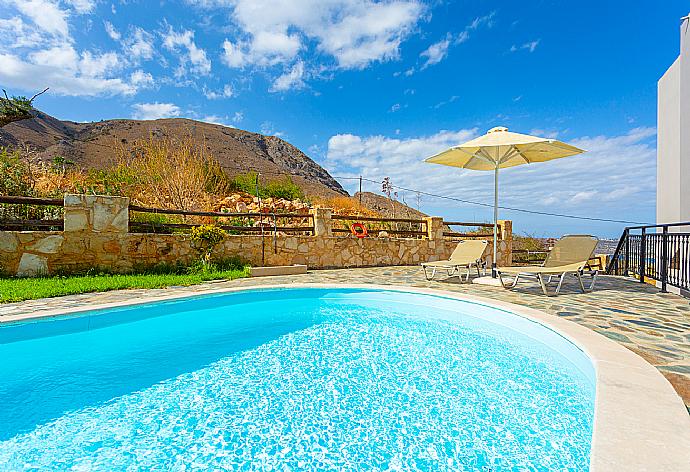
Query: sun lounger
pixel 570 255
pixel 466 255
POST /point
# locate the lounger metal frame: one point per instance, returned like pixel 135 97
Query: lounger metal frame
pixel 545 283
pixel 558 266
pixel 451 269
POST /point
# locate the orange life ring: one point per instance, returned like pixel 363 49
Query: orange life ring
pixel 362 233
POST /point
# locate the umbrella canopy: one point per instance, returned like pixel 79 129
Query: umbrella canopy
pixel 503 148
pixel 500 148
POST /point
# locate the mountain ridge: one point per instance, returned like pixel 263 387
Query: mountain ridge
pixel 95 145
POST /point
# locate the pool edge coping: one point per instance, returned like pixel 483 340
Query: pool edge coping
pixel 640 422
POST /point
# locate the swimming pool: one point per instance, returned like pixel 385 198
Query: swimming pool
pixel 325 379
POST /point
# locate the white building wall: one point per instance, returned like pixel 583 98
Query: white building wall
pixel 673 139
pixel 668 146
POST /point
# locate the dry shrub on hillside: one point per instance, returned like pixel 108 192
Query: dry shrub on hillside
pixel 346 206
pixel 173 173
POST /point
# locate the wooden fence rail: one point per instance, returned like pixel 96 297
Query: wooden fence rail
pixel 31 201
pixel 455 234
pixel 380 220
pixel 165 211
pixel 30 213
pixel 268 221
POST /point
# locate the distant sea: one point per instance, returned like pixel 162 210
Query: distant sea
pixel 606 246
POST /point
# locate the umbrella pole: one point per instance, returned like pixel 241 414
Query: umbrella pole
pixel 493 264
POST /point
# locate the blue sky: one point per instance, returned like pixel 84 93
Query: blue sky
pixel 372 88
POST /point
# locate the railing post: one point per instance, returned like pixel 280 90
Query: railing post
pixel 323 224
pixel 434 227
pixel 664 258
pixel 643 255
pixel 505 228
pixel 627 252
pixel 96 214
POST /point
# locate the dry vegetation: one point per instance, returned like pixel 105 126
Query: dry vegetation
pixel 162 173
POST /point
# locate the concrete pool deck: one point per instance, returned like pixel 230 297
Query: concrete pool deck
pixel 640 421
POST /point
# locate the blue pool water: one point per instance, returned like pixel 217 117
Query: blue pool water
pixel 299 379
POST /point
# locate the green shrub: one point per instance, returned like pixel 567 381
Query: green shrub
pixel 284 188
pixel 279 188
pixel 116 180
pixel 205 238
pixel 15 174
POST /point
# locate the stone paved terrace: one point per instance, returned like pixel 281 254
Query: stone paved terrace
pixel 654 325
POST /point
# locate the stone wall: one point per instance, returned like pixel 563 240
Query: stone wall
pixel 96 236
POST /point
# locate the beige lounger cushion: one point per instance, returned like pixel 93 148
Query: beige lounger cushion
pixel 467 252
pixel 569 254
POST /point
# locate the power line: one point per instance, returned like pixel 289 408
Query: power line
pixel 444 197
pixel 488 205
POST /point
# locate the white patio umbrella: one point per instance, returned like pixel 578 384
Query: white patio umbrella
pixel 500 148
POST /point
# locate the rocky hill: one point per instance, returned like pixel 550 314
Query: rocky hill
pixel 98 144
pixel 385 207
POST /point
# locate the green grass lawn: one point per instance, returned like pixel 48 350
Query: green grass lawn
pixel 19 289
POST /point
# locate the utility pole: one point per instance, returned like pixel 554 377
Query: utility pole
pixel 261 223
pixel 360 190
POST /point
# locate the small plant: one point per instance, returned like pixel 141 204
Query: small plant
pixel 16 108
pixel 59 165
pixel 206 238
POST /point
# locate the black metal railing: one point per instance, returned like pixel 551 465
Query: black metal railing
pixel 657 252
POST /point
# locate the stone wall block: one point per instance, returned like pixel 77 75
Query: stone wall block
pixel 323 224
pixel 434 227
pixel 96 213
pixel 31 265
pixel 8 242
pixel 47 245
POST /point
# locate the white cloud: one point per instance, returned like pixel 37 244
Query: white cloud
pixel 112 32
pixel 268 129
pixel 99 65
pixel 597 183
pixel 486 20
pixel 529 46
pixel 174 41
pixel 551 134
pixel 378 156
pixel 292 79
pixel 226 92
pixel 18 34
pixel 233 56
pixel 154 111
pixel 224 120
pixel 215 120
pixel 67 59
pixel 82 6
pixel 141 79
pixel 139 44
pixel 17 73
pixel 443 103
pixel 46 54
pixel 47 15
pixel 435 53
pixel 439 51
pixel 353 32
pixel 60 57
